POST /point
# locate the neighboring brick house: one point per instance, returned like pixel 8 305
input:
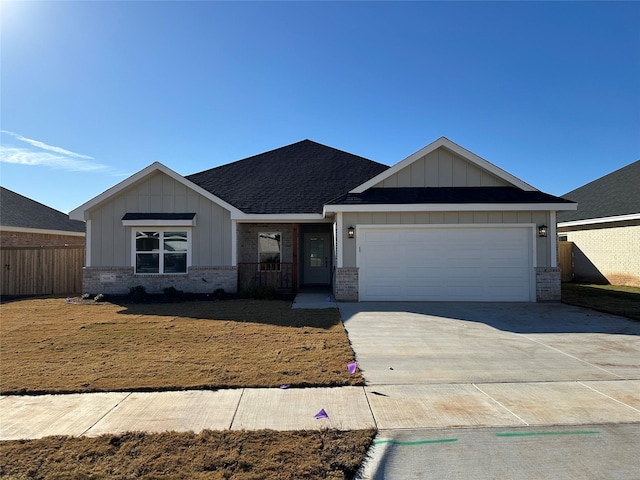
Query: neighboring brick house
pixel 605 230
pixel 42 249
pixel 442 224
pixel 27 223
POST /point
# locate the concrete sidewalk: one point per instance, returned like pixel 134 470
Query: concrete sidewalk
pixel 386 407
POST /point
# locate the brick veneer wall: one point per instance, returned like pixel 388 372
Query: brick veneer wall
pixel 607 254
pixel 118 280
pixel 345 284
pixel 547 284
pixel 27 239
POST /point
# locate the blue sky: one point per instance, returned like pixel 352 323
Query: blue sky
pixel 92 92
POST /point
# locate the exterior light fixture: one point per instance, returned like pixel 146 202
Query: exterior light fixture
pixel 542 230
pixel 351 231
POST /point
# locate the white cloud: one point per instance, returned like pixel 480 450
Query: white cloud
pixel 40 153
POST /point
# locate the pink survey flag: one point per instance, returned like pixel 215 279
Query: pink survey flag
pixel 352 367
pixel 321 414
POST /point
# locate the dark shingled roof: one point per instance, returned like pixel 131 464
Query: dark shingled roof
pixel 19 211
pixel 409 195
pixel 158 216
pixel 617 193
pixel 298 178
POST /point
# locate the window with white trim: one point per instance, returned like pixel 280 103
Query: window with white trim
pixel 269 250
pixel 158 251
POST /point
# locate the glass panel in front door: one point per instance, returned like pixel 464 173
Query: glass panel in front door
pixel 316 252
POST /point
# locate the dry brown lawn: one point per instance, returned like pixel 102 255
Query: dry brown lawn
pixel 208 455
pixel 50 346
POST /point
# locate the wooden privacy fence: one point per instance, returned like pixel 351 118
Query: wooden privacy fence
pixel 48 270
pixel 565 260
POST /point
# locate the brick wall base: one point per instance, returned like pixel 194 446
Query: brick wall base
pixel 118 280
pixel 548 284
pixel 345 284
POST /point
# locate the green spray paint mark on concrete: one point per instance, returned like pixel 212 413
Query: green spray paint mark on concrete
pixel 416 442
pixel 531 434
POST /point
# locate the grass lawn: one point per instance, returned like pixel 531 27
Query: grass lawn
pixel 209 455
pixel 615 299
pixel 51 346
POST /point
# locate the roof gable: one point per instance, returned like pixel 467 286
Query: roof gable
pixel 296 179
pixel 82 211
pixel 18 211
pixel 613 195
pixel 443 164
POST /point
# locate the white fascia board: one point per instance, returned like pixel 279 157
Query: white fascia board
pixel 451 207
pixel 455 148
pixel 590 221
pixel 42 231
pixel 280 218
pixel 80 213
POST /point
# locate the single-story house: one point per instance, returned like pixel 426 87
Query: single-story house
pixel 442 224
pixel 605 230
pixel 41 249
pixel 27 223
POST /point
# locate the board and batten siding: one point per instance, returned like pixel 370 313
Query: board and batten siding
pixel 442 168
pixel 444 218
pixel 159 193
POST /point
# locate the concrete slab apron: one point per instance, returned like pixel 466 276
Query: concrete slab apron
pixel 294 409
pixel 560 403
pixel 436 406
pixel 171 411
pixel 24 417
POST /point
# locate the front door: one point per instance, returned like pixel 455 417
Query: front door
pixel 317 258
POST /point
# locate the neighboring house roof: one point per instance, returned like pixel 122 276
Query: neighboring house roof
pixel 614 195
pixel 298 178
pixel 19 212
pixel 448 195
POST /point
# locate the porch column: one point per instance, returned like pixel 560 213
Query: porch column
pixel 234 243
pixel 553 237
pixel 338 232
pixel 294 268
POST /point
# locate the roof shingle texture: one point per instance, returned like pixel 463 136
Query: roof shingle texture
pixel 295 179
pixel 617 193
pixel 19 211
pixel 439 195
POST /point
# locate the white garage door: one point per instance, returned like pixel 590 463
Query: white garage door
pixel 445 263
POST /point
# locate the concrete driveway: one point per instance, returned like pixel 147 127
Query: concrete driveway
pixel 435 343
pixel 547 376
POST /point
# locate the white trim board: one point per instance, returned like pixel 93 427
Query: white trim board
pixel 590 221
pixel 451 207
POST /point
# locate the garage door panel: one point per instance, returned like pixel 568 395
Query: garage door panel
pixel 443 263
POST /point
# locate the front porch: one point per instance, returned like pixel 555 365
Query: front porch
pixel 284 256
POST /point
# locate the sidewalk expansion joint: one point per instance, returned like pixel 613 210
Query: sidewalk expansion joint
pixel 496 401
pixel 366 396
pixel 106 413
pixel 233 419
pixel 610 398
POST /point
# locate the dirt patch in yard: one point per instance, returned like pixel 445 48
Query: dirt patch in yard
pixel 52 346
pixel 208 455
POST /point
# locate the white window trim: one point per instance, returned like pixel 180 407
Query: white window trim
pixel 171 228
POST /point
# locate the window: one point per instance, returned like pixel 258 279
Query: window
pixel 161 251
pixel 269 248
